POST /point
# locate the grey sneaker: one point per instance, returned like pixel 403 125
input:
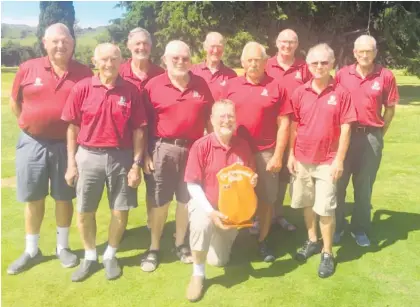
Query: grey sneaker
pixel 361 239
pixel 112 268
pixel 86 269
pixel 24 262
pixel 67 258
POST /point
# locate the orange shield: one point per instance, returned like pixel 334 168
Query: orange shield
pixel 237 199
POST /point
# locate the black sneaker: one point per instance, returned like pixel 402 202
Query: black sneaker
pixel 112 268
pixel 266 254
pixel 24 262
pixel 308 249
pixel 326 267
pixel 86 269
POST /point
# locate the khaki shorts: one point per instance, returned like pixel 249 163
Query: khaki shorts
pixel 313 187
pixel 268 183
pixel 98 168
pixel 206 237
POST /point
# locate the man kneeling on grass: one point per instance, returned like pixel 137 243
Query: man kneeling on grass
pixel 107 120
pixel 319 138
pixel 209 237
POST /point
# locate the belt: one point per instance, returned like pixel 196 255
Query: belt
pixel 100 149
pixel 176 142
pixel 42 140
pixel 366 129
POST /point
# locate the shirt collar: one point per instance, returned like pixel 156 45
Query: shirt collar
pixel 190 84
pixel 296 63
pixel 332 84
pixel 376 70
pixel 264 80
pixel 47 64
pixel 216 143
pixel 203 66
pixel 97 82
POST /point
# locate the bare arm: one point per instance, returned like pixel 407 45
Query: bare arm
pixel 139 144
pixel 388 116
pixel 292 138
pixel 16 107
pixel 283 129
pixel 344 141
pixel 72 133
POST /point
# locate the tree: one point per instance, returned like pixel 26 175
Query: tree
pixel 53 12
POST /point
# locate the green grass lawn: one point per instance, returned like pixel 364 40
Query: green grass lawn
pixel 386 274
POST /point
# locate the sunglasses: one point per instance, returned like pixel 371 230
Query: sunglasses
pixel 322 63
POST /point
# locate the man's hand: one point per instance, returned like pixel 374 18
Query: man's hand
pixel 274 165
pixel 217 217
pixel 292 165
pixel 71 175
pixel 148 167
pixel 134 176
pixel 337 168
pixel 254 180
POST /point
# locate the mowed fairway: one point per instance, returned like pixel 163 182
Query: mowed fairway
pixel 386 274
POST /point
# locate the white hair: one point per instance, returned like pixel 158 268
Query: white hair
pixel 57 26
pixel 174 44
pixel 253 44
pixel 102 46
pixel 365 38
pixel 211 34
pixel 321 47
pixel 140 30
pixel 222 102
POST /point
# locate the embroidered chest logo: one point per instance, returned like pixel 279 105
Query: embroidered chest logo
pixel 376 86
pixel 298 75
pixel 223 83
pixel 264 92
pixel 332 100
pixel 196 94
pixel 38 82
pixel 122 101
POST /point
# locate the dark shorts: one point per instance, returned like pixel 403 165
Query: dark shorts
pixel 98 168
pixel 168 177
pixel 39 162
pixel 268 183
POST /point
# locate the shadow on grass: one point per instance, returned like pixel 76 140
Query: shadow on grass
pixel 388 227
pixel 408 94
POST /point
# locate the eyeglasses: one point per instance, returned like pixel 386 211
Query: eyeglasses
pixel 178 58
pixel 322 63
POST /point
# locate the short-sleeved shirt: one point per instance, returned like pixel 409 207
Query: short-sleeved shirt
pixel 319 119
pixel 216 81
pixel 207 157
pixel 126 72
pixel 369 95
pixel 175 114
pixel 106 117
pixel 296 75
pixel 43 95
pixel 257 108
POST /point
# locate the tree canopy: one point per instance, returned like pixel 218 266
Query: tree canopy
pixel 395 25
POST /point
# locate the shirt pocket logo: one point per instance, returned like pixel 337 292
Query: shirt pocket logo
pixel 122 102
pixel 264 92
pixel 38 82
pixel 376 86
pixel 332 100
pixel 223 83
pixel 298 75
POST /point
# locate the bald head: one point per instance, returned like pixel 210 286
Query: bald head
pixel 365 40
pixel 106 48
pixel 58 43
pixel 177 58
pixel 214 46
pixel 365 51
pixel 287 43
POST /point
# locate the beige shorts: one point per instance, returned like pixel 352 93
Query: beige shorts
pixel 206 237
pixel 313 187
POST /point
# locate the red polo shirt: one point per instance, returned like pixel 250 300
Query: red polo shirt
pixel 207 157
pixel 370 94
pixel 216 81
pixel 297 74
pixel 127 73
pixel 175 114
pixel 43 95
pixel 257 108
pixel 107 117
pixel 319 119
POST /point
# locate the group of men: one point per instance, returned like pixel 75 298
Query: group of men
pixel 286 118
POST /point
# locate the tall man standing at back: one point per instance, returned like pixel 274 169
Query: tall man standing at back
pixel 373 88
pixel 291 72
pixel 262 112
pixel 179 106
pixel 39 93
pixel 212 69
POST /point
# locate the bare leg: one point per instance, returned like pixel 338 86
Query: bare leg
pixel 157 222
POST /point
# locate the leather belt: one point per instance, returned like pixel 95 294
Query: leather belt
pixel 99 149
pixel 176 142
pixel 366 129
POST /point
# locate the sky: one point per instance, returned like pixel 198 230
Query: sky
pixel 88 13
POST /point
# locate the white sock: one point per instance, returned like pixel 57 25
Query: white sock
pixel 90 254
pixel 62 238
pixel 32 244
pixel 110 252
pixel 198 269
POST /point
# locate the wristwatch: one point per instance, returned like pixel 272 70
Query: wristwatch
pixel 139 162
